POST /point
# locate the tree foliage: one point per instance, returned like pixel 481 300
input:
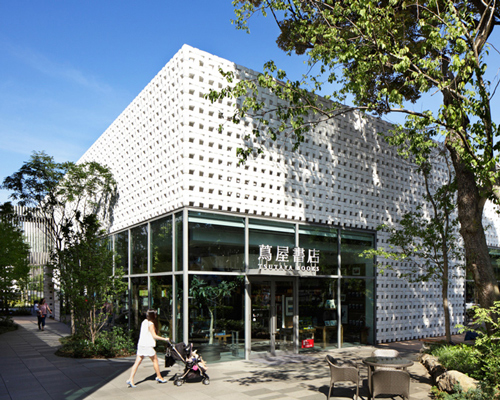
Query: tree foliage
pixel 210 296
pixel 60 193
pixel 61 196
pixel 87 278
pixel 14 257
pixel 384 56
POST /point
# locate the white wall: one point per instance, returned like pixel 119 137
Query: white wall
pixel 166 152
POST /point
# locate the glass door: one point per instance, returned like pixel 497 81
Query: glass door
pixel 272 316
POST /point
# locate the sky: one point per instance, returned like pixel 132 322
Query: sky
pixel 69 68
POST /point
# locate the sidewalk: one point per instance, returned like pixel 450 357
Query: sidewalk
pixel 30 370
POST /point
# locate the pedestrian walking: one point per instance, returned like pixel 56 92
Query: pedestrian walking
pixel 43 310
pixel 146 346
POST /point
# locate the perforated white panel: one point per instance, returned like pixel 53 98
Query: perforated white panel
pixel 166 153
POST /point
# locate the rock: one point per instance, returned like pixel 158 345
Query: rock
pixel 449 379
pixel 433 366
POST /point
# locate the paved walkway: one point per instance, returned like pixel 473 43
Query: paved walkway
pixel 30 370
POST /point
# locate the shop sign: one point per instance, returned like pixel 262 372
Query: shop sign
pixel 282 261
pixel 307 343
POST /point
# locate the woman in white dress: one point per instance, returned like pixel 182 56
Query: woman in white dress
pixel 146 346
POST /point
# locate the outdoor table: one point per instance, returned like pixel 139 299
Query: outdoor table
pixel 385 362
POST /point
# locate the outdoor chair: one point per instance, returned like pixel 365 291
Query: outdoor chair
pixel 342 371
pixel 392 382
pixel 385 353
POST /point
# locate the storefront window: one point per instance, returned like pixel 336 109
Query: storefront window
pixel 139 237
pixel 495 262
pixel 179 242
pixel 325 241
pixel 162 302
pixel 139 301
pixel 471 297
pixel 269 233
pixel 161 245
pixel 216 315
pixel 121 250
pixel 122 310
pixel 216 242
pixel 177 299
pixel 352 245
pixel 318 313
pixel 357 305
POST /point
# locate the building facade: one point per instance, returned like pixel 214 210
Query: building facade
pixel 261 256
pixel 40 284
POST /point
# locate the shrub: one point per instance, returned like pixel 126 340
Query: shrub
pixel 109 344
pixel 460 358
pixel 481 393
pixel 7 325
pixel 487 345
pixel 22 311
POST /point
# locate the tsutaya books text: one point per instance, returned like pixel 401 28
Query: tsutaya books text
pixel 282 260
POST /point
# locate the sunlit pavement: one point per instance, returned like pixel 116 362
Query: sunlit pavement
pixel 30 370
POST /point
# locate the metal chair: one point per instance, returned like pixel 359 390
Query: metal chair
pixel 342 371
pixel 393 382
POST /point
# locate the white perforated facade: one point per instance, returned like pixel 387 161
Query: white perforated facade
pixel 167 153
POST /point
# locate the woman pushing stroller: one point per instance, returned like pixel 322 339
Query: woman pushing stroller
pixel 145 348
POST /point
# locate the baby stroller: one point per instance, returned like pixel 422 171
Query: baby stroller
pixel 194 365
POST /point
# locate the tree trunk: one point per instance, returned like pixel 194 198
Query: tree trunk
pixel 470 214
pixel 444 291
pixel 211 332
pixel 446 307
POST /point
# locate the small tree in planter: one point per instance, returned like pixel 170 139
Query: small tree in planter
pixel 87 277
pixel 210 296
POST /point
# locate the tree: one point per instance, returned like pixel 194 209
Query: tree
pixel 427 239
pixel 14 257
pixel 388 55
pixel 62 194
pixel 87 277
pixel 210 296
pixel 59 193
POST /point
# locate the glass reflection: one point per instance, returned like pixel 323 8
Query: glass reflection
pixel 216 315
pixel 139 301
pixel 161 245
pixel 139 245
pixel 161 301
pixel 357 311
pixel 352 245
pixel 325 240
pixel 121 250
pixel 318 312
pixel 216 244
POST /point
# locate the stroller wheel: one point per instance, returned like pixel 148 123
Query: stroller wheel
pixel 206 381
pixel 178 382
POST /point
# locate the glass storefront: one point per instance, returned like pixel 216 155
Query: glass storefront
pixel 216 314
pixel 470 290
pixel 161 245
pixel 236 286
pixel 139 247
pixel 216 244
pixel 319 313
pixel 121 251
